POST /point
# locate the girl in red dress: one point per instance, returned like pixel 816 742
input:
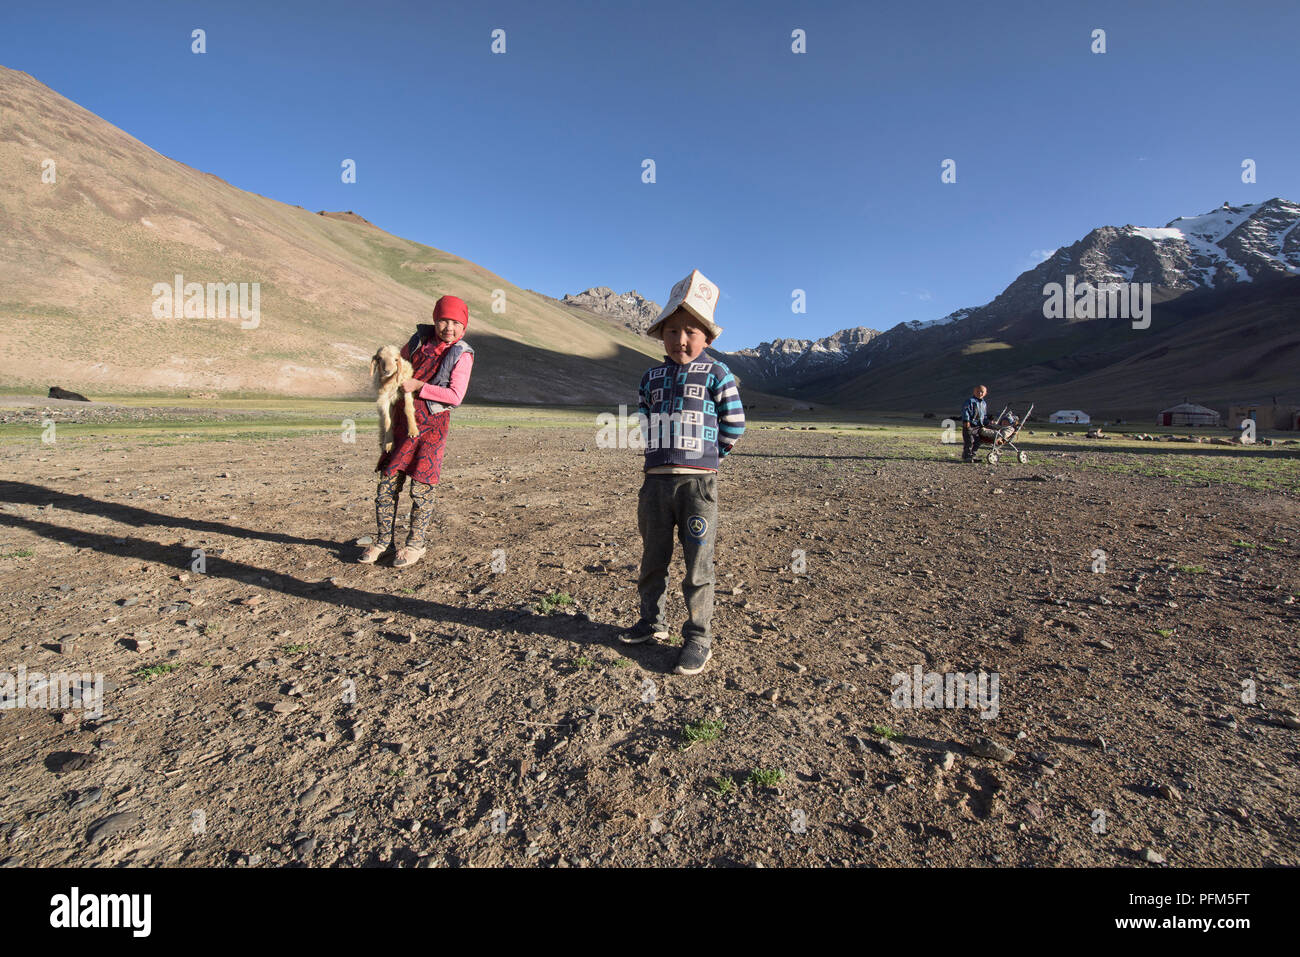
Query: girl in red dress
pixel 442 362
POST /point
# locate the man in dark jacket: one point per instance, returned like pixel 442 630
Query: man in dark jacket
pixel 974 415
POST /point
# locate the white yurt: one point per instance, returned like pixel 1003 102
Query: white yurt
pixel 1070 416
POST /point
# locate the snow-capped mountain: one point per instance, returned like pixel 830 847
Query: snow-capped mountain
pixel 1232 244
pixel 1229 245
pixel 955 316
pixel 1221 254
pixel 1214 252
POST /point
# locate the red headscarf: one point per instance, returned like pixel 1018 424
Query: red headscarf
pixel 452 307
pixel 448 307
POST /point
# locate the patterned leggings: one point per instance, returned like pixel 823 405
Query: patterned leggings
pixel 386 496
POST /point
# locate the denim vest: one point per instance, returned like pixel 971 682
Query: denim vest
pixel 446 362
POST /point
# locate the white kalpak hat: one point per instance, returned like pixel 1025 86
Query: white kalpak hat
pixel 698 296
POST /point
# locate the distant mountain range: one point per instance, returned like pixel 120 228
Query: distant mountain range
pixel 780 362
pixel 1224 325
pixel 792 363
pixel 85 251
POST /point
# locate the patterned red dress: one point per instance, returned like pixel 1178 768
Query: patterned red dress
pixel 420 456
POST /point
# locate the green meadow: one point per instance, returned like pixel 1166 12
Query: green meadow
pixel 878 436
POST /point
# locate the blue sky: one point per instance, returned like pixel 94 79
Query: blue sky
pixel 775 171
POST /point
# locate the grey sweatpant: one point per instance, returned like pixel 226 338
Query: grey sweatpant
pixel 689 504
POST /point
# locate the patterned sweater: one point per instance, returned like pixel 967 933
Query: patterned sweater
pixel 691 414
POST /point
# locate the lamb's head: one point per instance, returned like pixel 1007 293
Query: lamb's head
pixel 385 364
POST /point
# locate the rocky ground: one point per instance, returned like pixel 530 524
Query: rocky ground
pixel 282 704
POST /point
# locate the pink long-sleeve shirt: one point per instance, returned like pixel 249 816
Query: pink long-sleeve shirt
pixel 455 393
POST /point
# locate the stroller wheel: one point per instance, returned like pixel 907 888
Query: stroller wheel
pixel 1023 458
pixel 993 458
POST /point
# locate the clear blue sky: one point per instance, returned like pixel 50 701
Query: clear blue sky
pixel 775 171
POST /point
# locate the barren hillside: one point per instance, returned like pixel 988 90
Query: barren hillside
pixel 80 258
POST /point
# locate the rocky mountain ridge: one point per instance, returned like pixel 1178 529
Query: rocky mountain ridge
pixel 629 309
pixel 1216 256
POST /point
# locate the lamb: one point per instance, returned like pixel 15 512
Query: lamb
pixel 388 370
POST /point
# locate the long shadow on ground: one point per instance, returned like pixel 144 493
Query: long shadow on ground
pixel 24 493
pixel 582 630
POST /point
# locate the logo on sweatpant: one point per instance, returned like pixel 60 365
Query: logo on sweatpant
pixel 697 526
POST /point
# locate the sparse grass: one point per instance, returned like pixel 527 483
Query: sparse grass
pixel 1164 632
pixel 722 786
pixel 163 432
pixel 1242 543
pixel 1191 569
pixel 407 591
pixel 153 671
pixel 553 602
pixel 212 629
pixel 264 418
pixel 293 649
pixel 701 732
pixel 884 732
pixel 21 553
pixel 1279 473
pixel 623 662
pixel 582 661
pixel 766 777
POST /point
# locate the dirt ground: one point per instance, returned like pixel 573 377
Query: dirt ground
pixel 288 705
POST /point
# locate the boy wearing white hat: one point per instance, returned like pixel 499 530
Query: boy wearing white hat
pixel 691 416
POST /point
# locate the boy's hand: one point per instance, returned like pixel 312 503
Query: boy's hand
pixel 412 385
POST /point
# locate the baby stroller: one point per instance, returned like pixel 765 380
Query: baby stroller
pixel 1002 435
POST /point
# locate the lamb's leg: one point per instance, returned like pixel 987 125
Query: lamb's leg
pixel 385 426
pixel 408 400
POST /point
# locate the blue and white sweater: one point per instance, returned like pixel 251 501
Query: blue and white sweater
pixel 691 414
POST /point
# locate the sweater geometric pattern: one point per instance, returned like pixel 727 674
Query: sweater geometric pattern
pixel 692 413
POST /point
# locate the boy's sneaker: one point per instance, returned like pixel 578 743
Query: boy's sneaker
pixel 693 658
pixel 640 633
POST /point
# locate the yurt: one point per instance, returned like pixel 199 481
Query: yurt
pixel 1187 413
pixel 1070 415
